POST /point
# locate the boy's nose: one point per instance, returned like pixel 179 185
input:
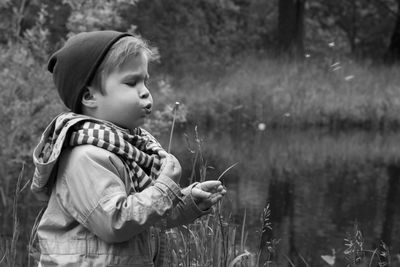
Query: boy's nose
pixel 144 93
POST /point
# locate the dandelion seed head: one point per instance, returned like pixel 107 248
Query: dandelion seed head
pixel 331 44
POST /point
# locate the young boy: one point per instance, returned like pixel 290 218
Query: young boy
pixel 111 189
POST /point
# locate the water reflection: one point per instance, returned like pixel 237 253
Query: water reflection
pixel 318 185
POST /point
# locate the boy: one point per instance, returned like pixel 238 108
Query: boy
pixel 111 188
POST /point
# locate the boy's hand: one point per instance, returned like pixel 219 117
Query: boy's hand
pixel 171 167
pixel 207 194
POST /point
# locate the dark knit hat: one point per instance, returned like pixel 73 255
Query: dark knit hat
pixel 76 63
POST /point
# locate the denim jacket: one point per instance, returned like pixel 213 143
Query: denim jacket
pixel 92 220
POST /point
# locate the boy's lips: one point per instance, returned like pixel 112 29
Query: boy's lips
pixel 147 111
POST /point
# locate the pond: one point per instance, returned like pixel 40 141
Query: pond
pixel 321 186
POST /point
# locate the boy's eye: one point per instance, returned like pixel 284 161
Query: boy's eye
pixel 132 83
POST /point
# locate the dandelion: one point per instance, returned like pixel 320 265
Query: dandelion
pixel 174 110
pixel 331 44
pixel 307 55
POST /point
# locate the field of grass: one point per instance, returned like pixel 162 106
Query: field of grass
pixel 312 93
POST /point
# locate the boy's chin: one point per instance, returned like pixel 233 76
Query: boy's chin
pixel 137 124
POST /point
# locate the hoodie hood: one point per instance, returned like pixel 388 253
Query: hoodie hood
pixel 47 152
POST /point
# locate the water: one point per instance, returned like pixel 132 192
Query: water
pixel 319 185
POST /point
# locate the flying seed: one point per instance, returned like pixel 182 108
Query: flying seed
pixel 349 77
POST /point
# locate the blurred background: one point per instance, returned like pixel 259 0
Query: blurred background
pixel 304 95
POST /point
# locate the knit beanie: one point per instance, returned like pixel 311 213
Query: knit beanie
pixel 75 64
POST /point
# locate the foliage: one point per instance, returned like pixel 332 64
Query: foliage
pixel 95 15
pixel 27 103
pixel 352 25
pixel 202 36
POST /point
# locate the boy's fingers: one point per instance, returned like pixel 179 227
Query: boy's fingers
pixel 215 198
pixel 197 193
pixel 221 188
pixel 210 185
pixel 210 201
pixel 163 154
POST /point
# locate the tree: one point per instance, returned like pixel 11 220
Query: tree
pixel 14 16
pixel 393 53
pixel 291 27
pixel 360 27
pixel 90 15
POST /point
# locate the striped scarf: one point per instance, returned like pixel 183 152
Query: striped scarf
pixel 138 149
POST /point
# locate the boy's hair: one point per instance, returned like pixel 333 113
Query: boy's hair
pixel 75 65
pixel 118 54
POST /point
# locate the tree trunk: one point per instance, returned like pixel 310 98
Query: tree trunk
pixel 20 14
pixel 393 171
pixel 291 27
pixel 393 53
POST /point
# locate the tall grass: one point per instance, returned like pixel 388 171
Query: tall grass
pixel 355 252
pixel 9 248
pixel 210 240
pixel 214 240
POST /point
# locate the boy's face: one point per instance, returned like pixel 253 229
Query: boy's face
pixel 126 101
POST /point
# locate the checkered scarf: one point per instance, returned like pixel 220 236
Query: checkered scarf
pixel 138 149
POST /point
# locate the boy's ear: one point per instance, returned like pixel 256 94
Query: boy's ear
pixel 88 98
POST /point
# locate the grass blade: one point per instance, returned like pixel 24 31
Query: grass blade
pixel 230 167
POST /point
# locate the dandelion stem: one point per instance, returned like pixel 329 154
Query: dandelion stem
pixel 173 125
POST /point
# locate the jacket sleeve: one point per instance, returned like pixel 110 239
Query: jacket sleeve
pixel 94 193
pixel 186 210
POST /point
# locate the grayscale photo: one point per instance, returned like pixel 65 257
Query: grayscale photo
pixel 208 133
